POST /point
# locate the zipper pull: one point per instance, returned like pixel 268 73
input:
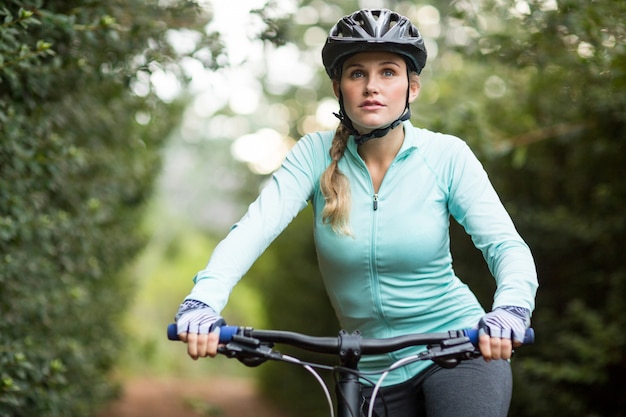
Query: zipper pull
pixel 375 202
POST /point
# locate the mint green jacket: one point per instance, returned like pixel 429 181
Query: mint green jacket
pixel 394 275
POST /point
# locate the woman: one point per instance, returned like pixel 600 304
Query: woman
pixel 382 192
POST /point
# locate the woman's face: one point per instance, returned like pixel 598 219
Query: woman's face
pixel 374 89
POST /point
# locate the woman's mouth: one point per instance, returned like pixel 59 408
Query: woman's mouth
pixel 371 105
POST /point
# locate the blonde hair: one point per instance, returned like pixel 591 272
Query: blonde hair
pixel 336 187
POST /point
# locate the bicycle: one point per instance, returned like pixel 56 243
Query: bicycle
pixel 253 347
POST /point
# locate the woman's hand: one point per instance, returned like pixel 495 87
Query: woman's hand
pixel 201 345
pixel 496 347
pixel 198 325
pixel 501 330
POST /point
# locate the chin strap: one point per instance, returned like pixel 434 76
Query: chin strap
pixel 376 133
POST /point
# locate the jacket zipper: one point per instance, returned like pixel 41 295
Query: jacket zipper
pixel 375 202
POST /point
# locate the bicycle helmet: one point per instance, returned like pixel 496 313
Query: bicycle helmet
pixel 373 30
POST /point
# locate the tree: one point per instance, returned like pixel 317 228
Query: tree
pixel 555 139
pixel 81 127
pixel 535 88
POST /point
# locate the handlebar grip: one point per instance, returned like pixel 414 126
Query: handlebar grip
pixel 226 333
pixel 529 336
pixel 172 332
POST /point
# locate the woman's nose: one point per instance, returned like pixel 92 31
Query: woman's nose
pixel 371 86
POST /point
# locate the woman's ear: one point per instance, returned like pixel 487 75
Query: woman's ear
pixel 414 87
pixel 336 88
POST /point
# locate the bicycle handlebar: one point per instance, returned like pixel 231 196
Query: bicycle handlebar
pixel 253 347
pixel 332 344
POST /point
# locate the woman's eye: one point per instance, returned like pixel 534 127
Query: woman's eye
pixel 389 73
pixel 356 74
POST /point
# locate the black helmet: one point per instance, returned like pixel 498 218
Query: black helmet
pixel 373 30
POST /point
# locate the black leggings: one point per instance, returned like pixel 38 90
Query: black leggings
pixel 473 388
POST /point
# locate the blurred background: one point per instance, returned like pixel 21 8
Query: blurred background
pixel 133 134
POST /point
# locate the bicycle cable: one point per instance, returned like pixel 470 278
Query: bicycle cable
pixel 317 376
pixel 337 370
pixel 309 366
pixel 398 364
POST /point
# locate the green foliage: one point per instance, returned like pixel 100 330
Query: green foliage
pixel 163 274
pixel 560 136
pixel 76 167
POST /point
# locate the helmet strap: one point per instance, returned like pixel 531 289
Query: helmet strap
pixel 376 133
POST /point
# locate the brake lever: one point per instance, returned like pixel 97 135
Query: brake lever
pixel 449 353
pixel 248 350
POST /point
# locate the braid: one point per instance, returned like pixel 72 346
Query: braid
pixel 336 187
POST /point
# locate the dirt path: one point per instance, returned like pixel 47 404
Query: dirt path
pixel 168 397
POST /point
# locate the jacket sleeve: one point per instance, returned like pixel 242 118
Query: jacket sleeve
pixel 282 198
pixel 474 203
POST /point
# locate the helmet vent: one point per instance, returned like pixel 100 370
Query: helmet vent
pixel 373 30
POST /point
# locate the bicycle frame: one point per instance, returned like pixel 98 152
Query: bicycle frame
pixel 253 347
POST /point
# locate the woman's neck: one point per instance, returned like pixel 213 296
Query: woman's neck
pixel 384 149
pixel 378 154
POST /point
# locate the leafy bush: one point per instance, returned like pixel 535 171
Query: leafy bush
pixel 79 152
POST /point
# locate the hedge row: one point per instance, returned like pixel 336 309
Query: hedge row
pixel 79 152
